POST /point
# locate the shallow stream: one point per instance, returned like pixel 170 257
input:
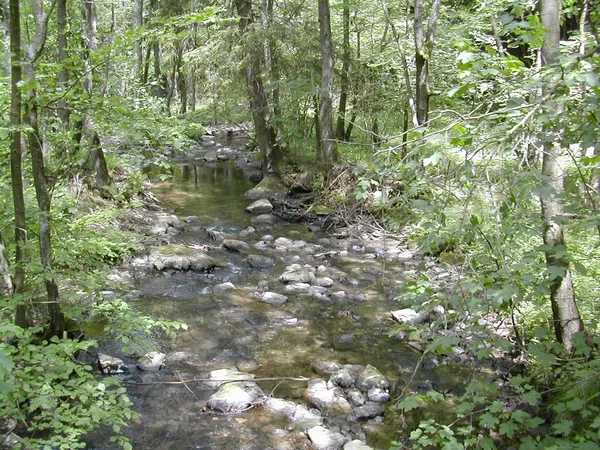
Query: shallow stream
pixel 233 329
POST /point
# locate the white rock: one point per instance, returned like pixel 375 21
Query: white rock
pixel 324 439
pixel 273 298
pixel 151 362
pixel 408 316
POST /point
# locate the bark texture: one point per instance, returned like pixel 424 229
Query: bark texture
pixel 328 143
pixel 567 321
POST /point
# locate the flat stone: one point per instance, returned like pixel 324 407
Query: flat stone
pixel 284 242
pixel 151 362
pixel 327 367
pixel 324 439
pixel 356 397
pixel 260 206
pixel 191 219
pixel 322 281
pixel 408 316
pixel 296 288
pixel 234 397
pixel 273 298
pixel 260 262
pixel 365 412
pixel 296 276
pixel 235 245
pixel 303 418
pixel 378 395
pixel 344 378
pixel 222 375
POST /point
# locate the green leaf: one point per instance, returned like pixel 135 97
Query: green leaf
pixel 563 427
pixel 409 403
pixel 532 397
pixel 496 407
pixel 435 396
pixel 508 428
pixel 488 420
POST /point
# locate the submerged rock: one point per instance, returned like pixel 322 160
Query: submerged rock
pixel 303 418
pixel 180 257
pixel 365 412
pixel 235 245
pixel 224 287
pixel 260 262
pixel 280 407
pixel 264 221
pixel 371 378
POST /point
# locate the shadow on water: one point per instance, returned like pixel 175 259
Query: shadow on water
pixel 233 328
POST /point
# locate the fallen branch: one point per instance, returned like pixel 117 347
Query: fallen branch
pixel 209 380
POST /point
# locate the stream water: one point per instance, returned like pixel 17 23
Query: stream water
pixel 234 330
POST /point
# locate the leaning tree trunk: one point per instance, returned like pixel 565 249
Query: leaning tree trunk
pixel 138 18
pixel 63 75
pixel 56 326
pixel 567 321
pixel 423 52
pixel 328 142
pixel 263 128
pixel 22 314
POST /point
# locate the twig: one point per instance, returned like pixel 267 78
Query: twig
pixel 185 384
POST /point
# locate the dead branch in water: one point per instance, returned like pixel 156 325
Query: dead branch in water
pixel 209 380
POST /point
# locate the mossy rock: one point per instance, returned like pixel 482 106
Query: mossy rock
pixel 269 187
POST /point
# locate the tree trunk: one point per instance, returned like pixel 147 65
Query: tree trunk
pixel 56 325
pixel 98 161
pixel 341 118
pixel 63 75
pixel 423 52
pixel 328 142
pixel 567 321
pixel 272 63
pixel 138 19
pixel 22 314
pixel 263 128
pixel 6 286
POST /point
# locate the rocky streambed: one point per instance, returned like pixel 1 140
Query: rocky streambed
pixel 288 342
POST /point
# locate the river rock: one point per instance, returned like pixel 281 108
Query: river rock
pixel 356 445
pixel 356 397
pixel 191 219
pixel 151 362
pixel 322 281
pixel 235 245
pixel 280 407
pixel 234 397
pixel 378 395
pixel 247 232
pixel 319 395
pixel 408 316
pixel 211 156
pixel 324 439
pixel 110 365
pixel 303 418
pixel 371 378
pixel 327 367
pixel 165 224
pixel 216 235
pixel 365 412
pixel 284 242
pixel 269 187
pixel 264 221
pixel 344 378
pixel 297 288
pixel 296 276
pixel 180 257
pixel 260 262
pixel 260 206
pixel 224 287
pixel 273 298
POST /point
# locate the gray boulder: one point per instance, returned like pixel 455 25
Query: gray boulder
pixel 319 395
pixel 224 287
pixel 110 365
pixel 264 221
pixel 280 407
pixel 260 206
pixel 365 412
pixel 371 378
pixel 356 445
pixel 235 245
pixel 408 316
pixel 273 298
pixel 260 262
pixel 303 418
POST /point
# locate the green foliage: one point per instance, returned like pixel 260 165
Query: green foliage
pixel 58 398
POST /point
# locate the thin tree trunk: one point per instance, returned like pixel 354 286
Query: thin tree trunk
pixel 63 75
pixel 328 142
pixel 56 325
pixel 567 321
pixel 6 288
pixel 138 19
pixel 22 314
pixel 423 52
pixel 341 118
pixel 272 62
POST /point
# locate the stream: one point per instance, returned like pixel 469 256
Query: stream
pixel 233 329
